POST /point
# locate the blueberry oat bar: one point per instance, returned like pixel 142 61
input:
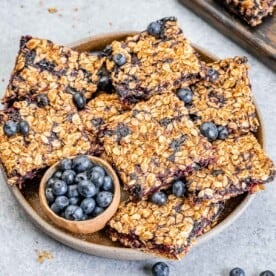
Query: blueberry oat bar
pixel 33 138
pixel 251 11
pixel 241 166
pixel 167 231
pixel 154 143
pixel 153 62
pixel 42 66
pixel 225 97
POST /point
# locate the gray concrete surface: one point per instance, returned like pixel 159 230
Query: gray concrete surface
pixel 249 243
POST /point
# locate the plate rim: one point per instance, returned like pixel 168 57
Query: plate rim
pixel 124 253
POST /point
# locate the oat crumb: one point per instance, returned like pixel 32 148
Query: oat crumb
pixel 52 10
pixel 75 9
pixel 43 255
pixel 110 24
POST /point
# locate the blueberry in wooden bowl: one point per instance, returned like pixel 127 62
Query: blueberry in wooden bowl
pixel 80 193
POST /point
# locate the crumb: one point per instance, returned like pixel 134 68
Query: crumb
pixel 75 9
pixel 21 6
pixel 3 80
pixel 60 15
pixel 43 255
pixel 110 24
pixel 52 10
pixel 41 3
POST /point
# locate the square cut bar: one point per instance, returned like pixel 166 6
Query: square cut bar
pixel 225 97
pixel 167 231
pixel 251 11
pixel 53 135
pixel 154 65
pixel 99 110
pixel 154 143
pixel 241 166
pixel 42 66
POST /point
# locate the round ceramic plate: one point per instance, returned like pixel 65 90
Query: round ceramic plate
pixel 98 243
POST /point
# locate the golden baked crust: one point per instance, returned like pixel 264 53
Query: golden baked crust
pixel 241 165
pixel 167 231
pixel 153 144
pixel 251 11
pixel 42 66
pixel 54 134
pixel 154 65
pixel 225 97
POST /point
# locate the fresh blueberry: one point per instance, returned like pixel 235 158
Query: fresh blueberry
pixel 49 195
pixel 97 178
pixel 55 208
pixel 50 182
pixel 72 191
pixel 222 132
pixel 209 130
pixel 88 205
pixel 73 212
pixel 104 199
pixel 97 211
pixel 80 176
pixel 267 273
pixel 65 164
pixel 104 83
pixel 119 59
pixel 237 272
pixel 62 202
pixel 212 74
pixel 68 176
pixel 154 28
pixel 24 127
pixel 79 100
pixel 179 188
pixel 160 269
pixel 10 128
pixel 159 198
pixel 42 100
pixel 81 163
pixel 99 170
pixel 185 95
pixel 59 187
pixel 57 174
pixel 74 200
pixel 108 184
pixel 86 188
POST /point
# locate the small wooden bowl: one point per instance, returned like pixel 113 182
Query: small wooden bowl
pixel 86 226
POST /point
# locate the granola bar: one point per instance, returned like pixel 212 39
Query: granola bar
pixel 251 11
pixel 42 66
pixel 99 110
pixel 167 231
pixel 225 97
pixel 53 135
pixel 240 167
pixel 154 64
pixel 154 143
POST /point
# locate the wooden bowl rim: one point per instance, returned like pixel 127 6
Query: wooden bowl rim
pixel 100 219
pixel 124 253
